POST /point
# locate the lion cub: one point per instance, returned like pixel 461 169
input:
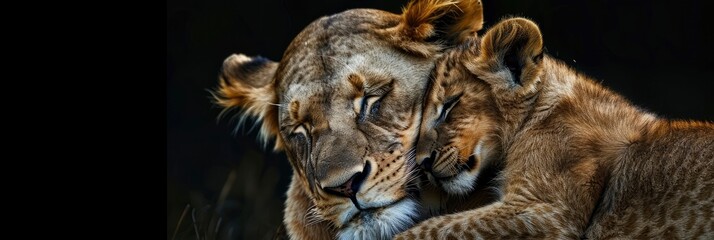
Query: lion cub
pixel 578 160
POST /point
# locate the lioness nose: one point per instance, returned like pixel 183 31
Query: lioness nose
pixel 351 187
pixel 428 163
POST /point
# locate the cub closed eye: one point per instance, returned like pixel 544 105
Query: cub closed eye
pixel 446 108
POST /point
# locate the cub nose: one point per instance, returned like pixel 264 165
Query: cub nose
pixel 428 163
pixel 351 187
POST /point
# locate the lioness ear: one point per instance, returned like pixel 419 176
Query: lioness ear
pixel 247 83
pixel 511 56
pixel 446 22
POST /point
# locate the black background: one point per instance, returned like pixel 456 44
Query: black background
pixel 655 53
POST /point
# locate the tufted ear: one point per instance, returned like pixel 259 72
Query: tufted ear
pixel 511 56
pixel 248 83
pixel 446 22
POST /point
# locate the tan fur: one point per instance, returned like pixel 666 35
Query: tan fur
pixel 255 97
pixel 578 160
pixel 298 222
pixel 420 19
pixel 344 103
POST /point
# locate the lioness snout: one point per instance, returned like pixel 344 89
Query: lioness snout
pixel 428 162
pixel 350 188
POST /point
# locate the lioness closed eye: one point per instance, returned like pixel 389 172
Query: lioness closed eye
pixel 578 159
pixel 345 105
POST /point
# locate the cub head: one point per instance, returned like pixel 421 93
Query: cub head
pixel 344 103
pixel 480 93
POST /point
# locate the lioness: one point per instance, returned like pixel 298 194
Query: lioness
pixel 344 103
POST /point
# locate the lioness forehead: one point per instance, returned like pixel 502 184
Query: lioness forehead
pixel 318 65
pixel 323 47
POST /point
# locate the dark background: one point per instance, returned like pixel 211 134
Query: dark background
pixel 656 53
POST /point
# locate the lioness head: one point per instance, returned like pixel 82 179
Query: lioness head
pixel 345 105
pixel 480 95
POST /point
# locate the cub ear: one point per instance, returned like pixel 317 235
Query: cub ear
pixel 511 56
pixel 446 22
pixel 248 83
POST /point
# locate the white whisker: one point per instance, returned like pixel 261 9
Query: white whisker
pixel 284 106
pixel 313 217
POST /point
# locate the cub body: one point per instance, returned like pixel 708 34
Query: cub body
pixel 578 160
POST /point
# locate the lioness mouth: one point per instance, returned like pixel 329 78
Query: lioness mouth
pixel 368 213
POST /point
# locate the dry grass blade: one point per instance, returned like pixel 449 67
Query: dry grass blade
pixel 195 226
pixel 226 188
pixel 185 210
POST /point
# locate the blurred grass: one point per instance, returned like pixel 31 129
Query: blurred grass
pixel 248 205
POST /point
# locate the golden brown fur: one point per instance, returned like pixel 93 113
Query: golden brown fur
pixel 416 13
pixel 344 104
pixel 578 160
